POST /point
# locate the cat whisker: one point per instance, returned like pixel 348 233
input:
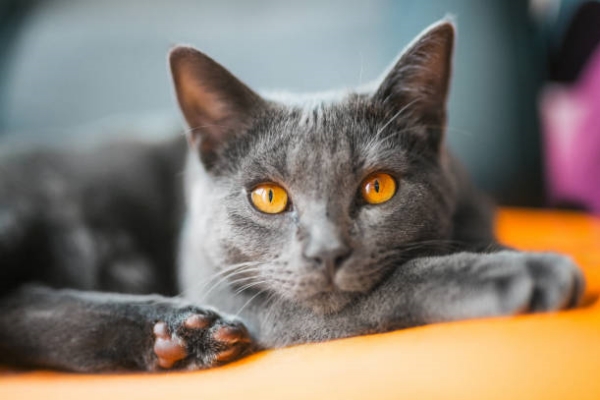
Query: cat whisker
pixel 220 275
pixel 253 267
pixel 223 279
pixel 453 129
pixel 192 129
pixel 272 303
pixel 399 254
pixel 229 271
pixel 248 302
pixel 396 115
pixel 241 283
pixel 360 72
pixel 397 133
pixel 250 285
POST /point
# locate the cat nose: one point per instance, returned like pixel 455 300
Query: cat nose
pixel 323 240
pixel 329 255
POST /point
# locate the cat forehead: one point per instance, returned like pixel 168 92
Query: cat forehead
pixel 322 139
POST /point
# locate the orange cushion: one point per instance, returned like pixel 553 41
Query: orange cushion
pixel 550 356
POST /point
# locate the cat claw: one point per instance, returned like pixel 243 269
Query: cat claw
pixel 199 341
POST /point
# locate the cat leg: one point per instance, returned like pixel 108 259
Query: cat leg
pixel 92 331
pixel 438 289
pixel 471 285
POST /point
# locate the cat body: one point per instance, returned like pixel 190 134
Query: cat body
pixel 296 220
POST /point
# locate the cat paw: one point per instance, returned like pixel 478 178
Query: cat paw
pixel 558 282
pixel 535 282
pixel 199 340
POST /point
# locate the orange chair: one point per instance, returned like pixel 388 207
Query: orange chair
pixel 545 356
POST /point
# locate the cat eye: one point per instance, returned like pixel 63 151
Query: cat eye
pixel 378 188
pixel 269 198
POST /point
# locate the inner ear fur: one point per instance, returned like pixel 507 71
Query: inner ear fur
pixel 215 104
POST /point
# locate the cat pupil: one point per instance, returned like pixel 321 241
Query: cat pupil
pixel 270 195
pixel 376 185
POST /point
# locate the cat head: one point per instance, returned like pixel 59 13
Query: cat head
pixel 314 199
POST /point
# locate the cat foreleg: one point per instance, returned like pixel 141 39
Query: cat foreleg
pixel 92 331
pixel 439 289
pixel 472 285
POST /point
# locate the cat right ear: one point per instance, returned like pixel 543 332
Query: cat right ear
pixel 214 103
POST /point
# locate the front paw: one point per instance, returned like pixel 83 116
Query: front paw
pixel 196 339
pixel 532 282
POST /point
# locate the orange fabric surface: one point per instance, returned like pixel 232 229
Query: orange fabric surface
pixel 549 356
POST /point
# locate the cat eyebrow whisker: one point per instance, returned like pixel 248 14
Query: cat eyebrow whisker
pixel 396 115
pixel 192 129
pixel 415 152
pixel 399 132
pixel 360 73
pixel 451 129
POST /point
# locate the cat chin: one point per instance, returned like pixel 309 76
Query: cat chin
pixel 328 302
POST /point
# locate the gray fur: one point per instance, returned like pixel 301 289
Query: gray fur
pixel 329 266
pixel 320 152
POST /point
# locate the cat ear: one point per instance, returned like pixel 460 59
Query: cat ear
pixel 418 83
pixel 215 104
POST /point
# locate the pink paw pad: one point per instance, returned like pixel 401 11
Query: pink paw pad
pixel 202 339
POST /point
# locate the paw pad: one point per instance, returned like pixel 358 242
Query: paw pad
pixel 202 340
pixel 232 341
pixel 197 321
pixel 230 334
pixel 168 348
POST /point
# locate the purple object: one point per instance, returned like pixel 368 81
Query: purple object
pixel 571 127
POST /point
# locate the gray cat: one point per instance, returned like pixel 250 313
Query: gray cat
pixel 308 219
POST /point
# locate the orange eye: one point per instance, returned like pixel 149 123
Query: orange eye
pixel 378 188
pixel 269 198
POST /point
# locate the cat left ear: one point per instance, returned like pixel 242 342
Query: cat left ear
pixel 215 104
pixel 418 83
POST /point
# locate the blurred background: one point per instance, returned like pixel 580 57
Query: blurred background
pixel 76 68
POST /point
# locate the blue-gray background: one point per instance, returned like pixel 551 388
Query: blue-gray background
pixel 66 65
